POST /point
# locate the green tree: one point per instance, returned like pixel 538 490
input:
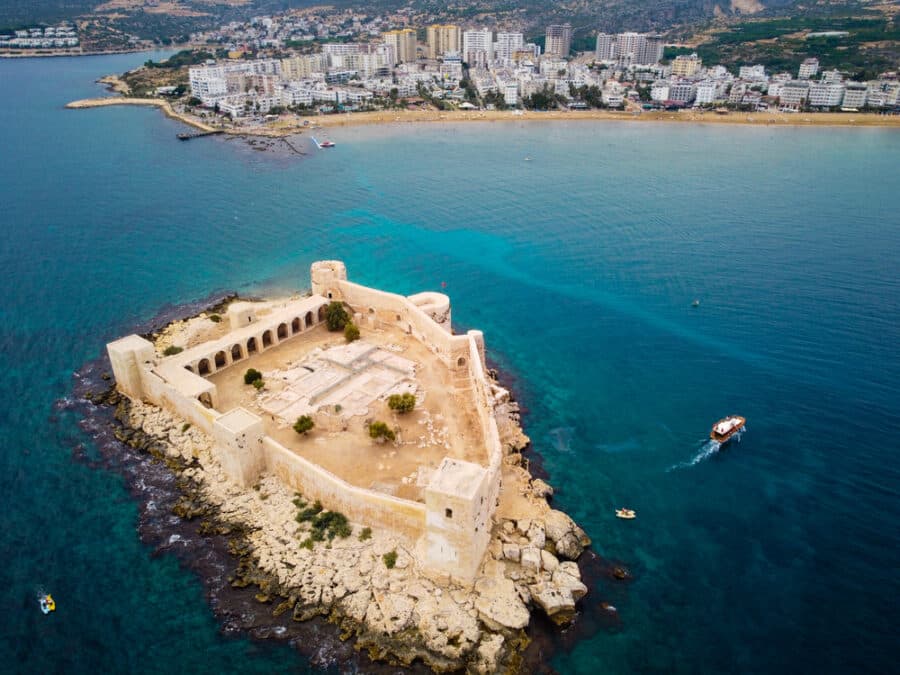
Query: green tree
pixel 252 375
pixel 336 316
pixel 304 424
pixel 381 431
pixel 351 332
pixel 401 403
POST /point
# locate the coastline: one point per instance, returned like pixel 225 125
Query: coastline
pixel 289 127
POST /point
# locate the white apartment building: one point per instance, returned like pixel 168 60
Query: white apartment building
pixel 752 72
pixel 794 94
pixel 826 94
pixel 682 91
pixel 706 93
pixel 478 48
pixel 506 45
pixel 855 95
pixel 659 91
pixel 808 69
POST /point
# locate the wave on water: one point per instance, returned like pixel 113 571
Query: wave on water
pixel 707 450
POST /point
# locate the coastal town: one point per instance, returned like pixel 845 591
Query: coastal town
pixel 464 68
pixel 271 74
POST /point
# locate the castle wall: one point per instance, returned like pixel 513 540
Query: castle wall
pixel 406 518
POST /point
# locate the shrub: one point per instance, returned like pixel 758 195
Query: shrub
pixel 185 427
pixel 336 316
pixel 390 559
pixel 259 384
pixel 172 350
pixel 379 430
pixel 351 332
pixel 304 424
pixel 366 534
pixel 215 318
pixel 402 403
pixel 310 512
pixel 252 375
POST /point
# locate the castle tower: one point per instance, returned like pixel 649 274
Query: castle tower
pixel 325 276
pixel 457 520
pixel 126 356
pixel 239 436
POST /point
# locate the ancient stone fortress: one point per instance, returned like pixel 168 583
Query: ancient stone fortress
pixel 439 492
pixel 450 540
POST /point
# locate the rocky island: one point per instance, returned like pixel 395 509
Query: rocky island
pixel 371 462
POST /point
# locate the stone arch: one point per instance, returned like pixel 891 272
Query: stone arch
pixel 309 319
pixel 371 310
pixel 205 399
pixel 220 359
pixel 267 339
pixel 203 368
pixel 322 313
pixel 189 368
pixel 282 331
pixel 296 325
pixel 252 347
pixel 461 361
pixel 236 353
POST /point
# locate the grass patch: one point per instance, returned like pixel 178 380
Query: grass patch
pixel 390 559
pixel 172 350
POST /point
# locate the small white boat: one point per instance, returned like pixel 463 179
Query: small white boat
pixel 47 603
pixel 626 514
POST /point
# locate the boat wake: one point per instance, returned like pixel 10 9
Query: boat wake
pixel 707 450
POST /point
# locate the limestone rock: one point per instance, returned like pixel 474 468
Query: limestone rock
pixel 575 587
pixel 569 539
pixel 389 613
pixel 549 561
pixel 489 652
pixel 571 568
pixel 531 558
pixel 556 602
pixel 498 604
pixel 541 489
pixel 536 535
pixel 511 552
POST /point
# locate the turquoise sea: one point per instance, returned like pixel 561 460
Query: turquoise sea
pixel 779 554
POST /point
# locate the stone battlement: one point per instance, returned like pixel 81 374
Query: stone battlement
pixel 450 531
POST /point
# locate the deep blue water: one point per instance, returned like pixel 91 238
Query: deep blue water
pixel 779 554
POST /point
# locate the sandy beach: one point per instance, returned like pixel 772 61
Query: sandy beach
pixel 287 126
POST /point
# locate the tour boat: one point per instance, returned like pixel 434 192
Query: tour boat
pixel 47 603
pixel 326 144
pixel 627 514
pixel 727 427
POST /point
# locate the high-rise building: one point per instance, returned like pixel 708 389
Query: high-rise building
pixel 629 48
pixel 652 52
pixel 606 46
pixel 442 38
pixel 478 47
pixel 507 44
pixel 404 44
pixel 558 40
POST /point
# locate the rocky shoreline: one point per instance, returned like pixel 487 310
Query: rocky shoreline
pixel 394 614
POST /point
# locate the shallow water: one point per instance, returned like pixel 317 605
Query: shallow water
pixel 778 553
